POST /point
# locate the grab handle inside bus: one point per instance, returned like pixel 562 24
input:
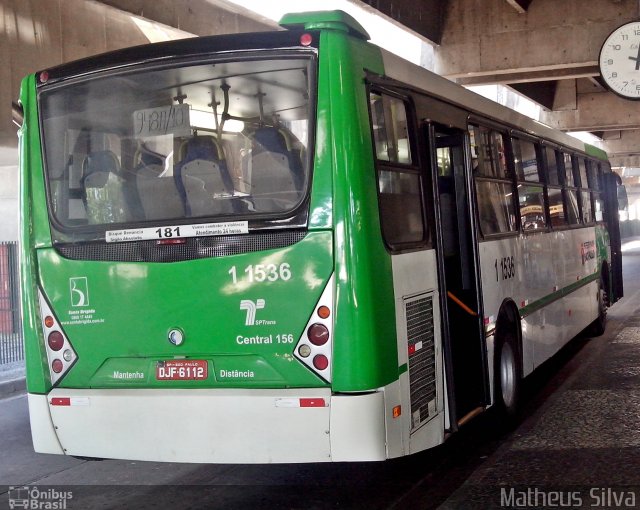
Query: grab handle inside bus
pixel 458 302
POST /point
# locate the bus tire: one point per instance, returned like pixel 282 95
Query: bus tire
pixel 598 326
pixel 508 373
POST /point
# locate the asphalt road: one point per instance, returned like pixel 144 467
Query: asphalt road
pixel 427 480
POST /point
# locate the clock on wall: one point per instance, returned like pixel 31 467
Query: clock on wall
pixel 619 60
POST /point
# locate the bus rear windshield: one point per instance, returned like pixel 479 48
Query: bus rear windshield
pixel 217 140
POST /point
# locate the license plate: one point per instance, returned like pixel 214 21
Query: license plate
pixel 182 370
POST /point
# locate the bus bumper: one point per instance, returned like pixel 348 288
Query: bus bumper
pixel 210 426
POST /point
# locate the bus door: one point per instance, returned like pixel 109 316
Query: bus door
pixel 463 329
pixel 615 197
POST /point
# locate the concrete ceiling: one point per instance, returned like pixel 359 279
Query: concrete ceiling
pixel 546 50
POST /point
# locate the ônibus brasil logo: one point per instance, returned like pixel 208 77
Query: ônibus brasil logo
pixel 41 499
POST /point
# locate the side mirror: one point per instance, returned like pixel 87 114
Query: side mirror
pixel 17 114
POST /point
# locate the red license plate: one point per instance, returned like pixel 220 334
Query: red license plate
pixel 182 370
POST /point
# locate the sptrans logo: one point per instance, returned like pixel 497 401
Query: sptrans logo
pixel 251 307
pixel 33 498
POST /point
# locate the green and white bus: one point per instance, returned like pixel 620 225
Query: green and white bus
pixel 293 247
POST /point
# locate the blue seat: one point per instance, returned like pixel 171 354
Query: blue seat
pixel 103 188
pixel 202 178
pixel 274 170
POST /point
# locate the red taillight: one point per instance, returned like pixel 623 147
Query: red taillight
pixel 55 340
pixel 318 334
pixel 61 355
pixel 306 39
pixel 57 366
pixel 44 76
pixel 321 362
pixel 315 346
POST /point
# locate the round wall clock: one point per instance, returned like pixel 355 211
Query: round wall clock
pixel 619 60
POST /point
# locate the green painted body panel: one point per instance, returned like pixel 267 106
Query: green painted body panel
pixel 595 152
pixel 133 305
pixel 34 231
pixel 365 349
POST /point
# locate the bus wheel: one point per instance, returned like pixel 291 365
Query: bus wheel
pixel 508 374
pixel 598 326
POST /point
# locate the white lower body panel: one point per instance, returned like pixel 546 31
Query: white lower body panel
pixel 210 426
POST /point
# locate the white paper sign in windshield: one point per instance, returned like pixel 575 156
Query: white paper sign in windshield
pixel 163 120
pixel 178 231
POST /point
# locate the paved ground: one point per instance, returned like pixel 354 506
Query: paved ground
pixel 575 445
pixel 11 379
pixel 580 447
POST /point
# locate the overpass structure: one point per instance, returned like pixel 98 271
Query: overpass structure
pixel 544 49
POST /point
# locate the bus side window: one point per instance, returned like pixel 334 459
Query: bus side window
pixel 595 180
pixel 399 180
pixel 390 130
pixel 570 191
pixel 494 186
pixel 584 195
pixel 530 188
pixel 557 214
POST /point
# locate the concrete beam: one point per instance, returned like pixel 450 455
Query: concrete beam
pixel 549 73
pixel 566 96
pixel 489 37
pixel 628 144
pixel 600 111
pixel 199 17
pixel 425 17
pixel 543 92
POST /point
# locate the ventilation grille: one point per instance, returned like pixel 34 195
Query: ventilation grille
pixel 422 358
pixel 193 248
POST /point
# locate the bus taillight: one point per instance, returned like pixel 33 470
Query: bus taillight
pixel 314 348
pixel 320 361
pixel 57 366
pixel 60 354
pixel 318 334
pixel 55 340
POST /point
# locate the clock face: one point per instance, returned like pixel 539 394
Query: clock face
pixel 620 61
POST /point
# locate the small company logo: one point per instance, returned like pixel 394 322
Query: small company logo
pixel 19 497
pixel 79 289
pixel 251 307
pixel 32 497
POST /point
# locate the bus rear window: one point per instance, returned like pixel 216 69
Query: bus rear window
pixel 215 139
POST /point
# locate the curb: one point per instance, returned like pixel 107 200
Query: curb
pixel 12 387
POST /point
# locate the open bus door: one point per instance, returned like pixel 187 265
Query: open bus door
pixel 460 287
pixel 615 197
